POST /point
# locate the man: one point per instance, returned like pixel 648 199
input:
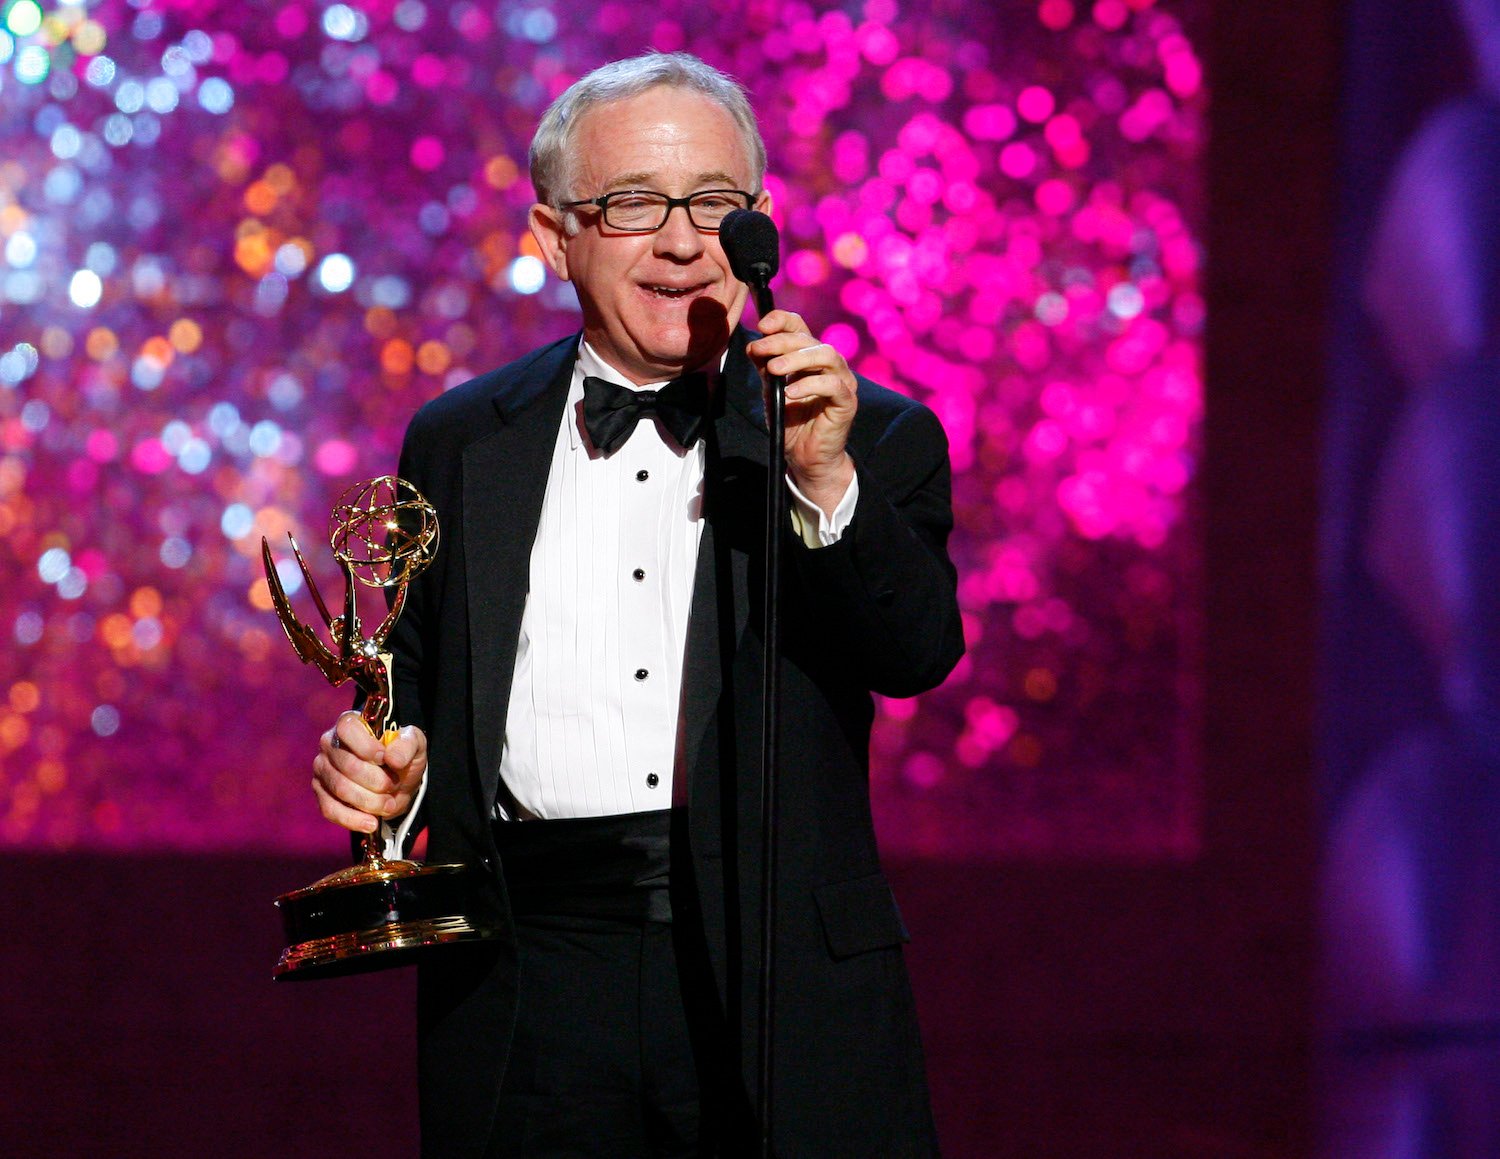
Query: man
pixel 581 670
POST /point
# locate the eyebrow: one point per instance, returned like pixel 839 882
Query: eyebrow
pixel 637 180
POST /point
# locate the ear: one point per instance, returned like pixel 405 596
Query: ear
pixel 763 203
pixel 550 232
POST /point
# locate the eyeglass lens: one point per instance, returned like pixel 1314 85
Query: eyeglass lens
pixel 649 210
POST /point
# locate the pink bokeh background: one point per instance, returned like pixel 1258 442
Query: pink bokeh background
pixel 238 248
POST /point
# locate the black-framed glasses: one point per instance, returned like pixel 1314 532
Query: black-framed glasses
pixel 643 211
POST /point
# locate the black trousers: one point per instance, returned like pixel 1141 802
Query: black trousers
pixel 619 1049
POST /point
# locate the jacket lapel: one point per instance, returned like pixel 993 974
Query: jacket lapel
pixel 504 479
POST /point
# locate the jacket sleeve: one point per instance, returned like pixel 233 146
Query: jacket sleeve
pixel 886 592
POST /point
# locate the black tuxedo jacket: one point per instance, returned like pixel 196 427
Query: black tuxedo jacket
pixel 874 612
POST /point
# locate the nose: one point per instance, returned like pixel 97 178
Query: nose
pixel 678 238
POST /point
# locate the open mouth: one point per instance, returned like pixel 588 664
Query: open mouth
pixel 672 293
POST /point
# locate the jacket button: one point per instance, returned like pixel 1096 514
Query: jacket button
pixel 638 574
pixel 642 475
pixel 652 780
pixel 641 674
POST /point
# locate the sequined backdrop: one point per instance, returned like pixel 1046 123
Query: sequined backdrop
pixel 243 242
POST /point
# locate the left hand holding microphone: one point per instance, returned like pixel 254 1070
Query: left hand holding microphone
pixel 820 404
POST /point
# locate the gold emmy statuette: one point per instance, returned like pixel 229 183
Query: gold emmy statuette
pixel 379 912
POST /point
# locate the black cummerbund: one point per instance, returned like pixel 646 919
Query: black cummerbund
pixel 590 867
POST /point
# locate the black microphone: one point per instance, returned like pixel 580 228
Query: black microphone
pixel 753 248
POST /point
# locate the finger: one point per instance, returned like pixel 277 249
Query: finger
pixel 816 357
pixel 356 783
pixel 828 389
pixel 762 350
pixel 341 814
pixel 408 780
pixel 347 763
pixel 782 322
pixel 351 733
pixel 407 746
pixel 400 805
pixel 412 780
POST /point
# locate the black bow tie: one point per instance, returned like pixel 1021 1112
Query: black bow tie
pixel 610 412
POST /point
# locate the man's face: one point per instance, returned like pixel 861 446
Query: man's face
pixel 654 304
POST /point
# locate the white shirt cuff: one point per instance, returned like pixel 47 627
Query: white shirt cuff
pixel 394 836
pixel 814 526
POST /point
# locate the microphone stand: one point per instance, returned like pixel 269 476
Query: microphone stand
pixel 770 756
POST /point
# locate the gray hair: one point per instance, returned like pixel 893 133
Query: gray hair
pixel 552 147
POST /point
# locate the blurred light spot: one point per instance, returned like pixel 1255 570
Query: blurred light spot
pixel 390 291
pixel 290 260
pixel 335 457
pixel 185 335
pixel 23 287
pixel 270 293
pixel 1054 197
pixel 85 289
pixel 147 26
pixel 843 338
pixel 410 15
pixel 66 141
pixel 24 17
pixel 176 63
pixel 175 552
pixel 175 436
pixel 265 438
pixel 161 95
pixel 527 274
pixel 105 720
pixel 34 415
pixel 285 392
pixel 146 634
pixel 290 574
pixel 62 185
pixel 18 364
pixel 336 273
pixel 223 417
pixel 28 629
pixel 130 97
pixel 149 457
pixel 53 565
pixel 396 356
pixel 20 249
pixel 1017 160
pixel 100 72
pixel 1036 104
pixel 1110 14
pixel 1055 14
pixel 427 153
pixel 1125 300
pixel 195 457
pixel 73 584
pixel 146 374
pixel 199 46
pixel 342 22
pixel 101 258
pixel 236 521
pixel 538 25
pixel 147 130
pixel 118 129
pixel 216 96
pixel 1051 308
pixel 24 696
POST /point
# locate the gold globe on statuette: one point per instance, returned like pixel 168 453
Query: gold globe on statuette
pixel 382 911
